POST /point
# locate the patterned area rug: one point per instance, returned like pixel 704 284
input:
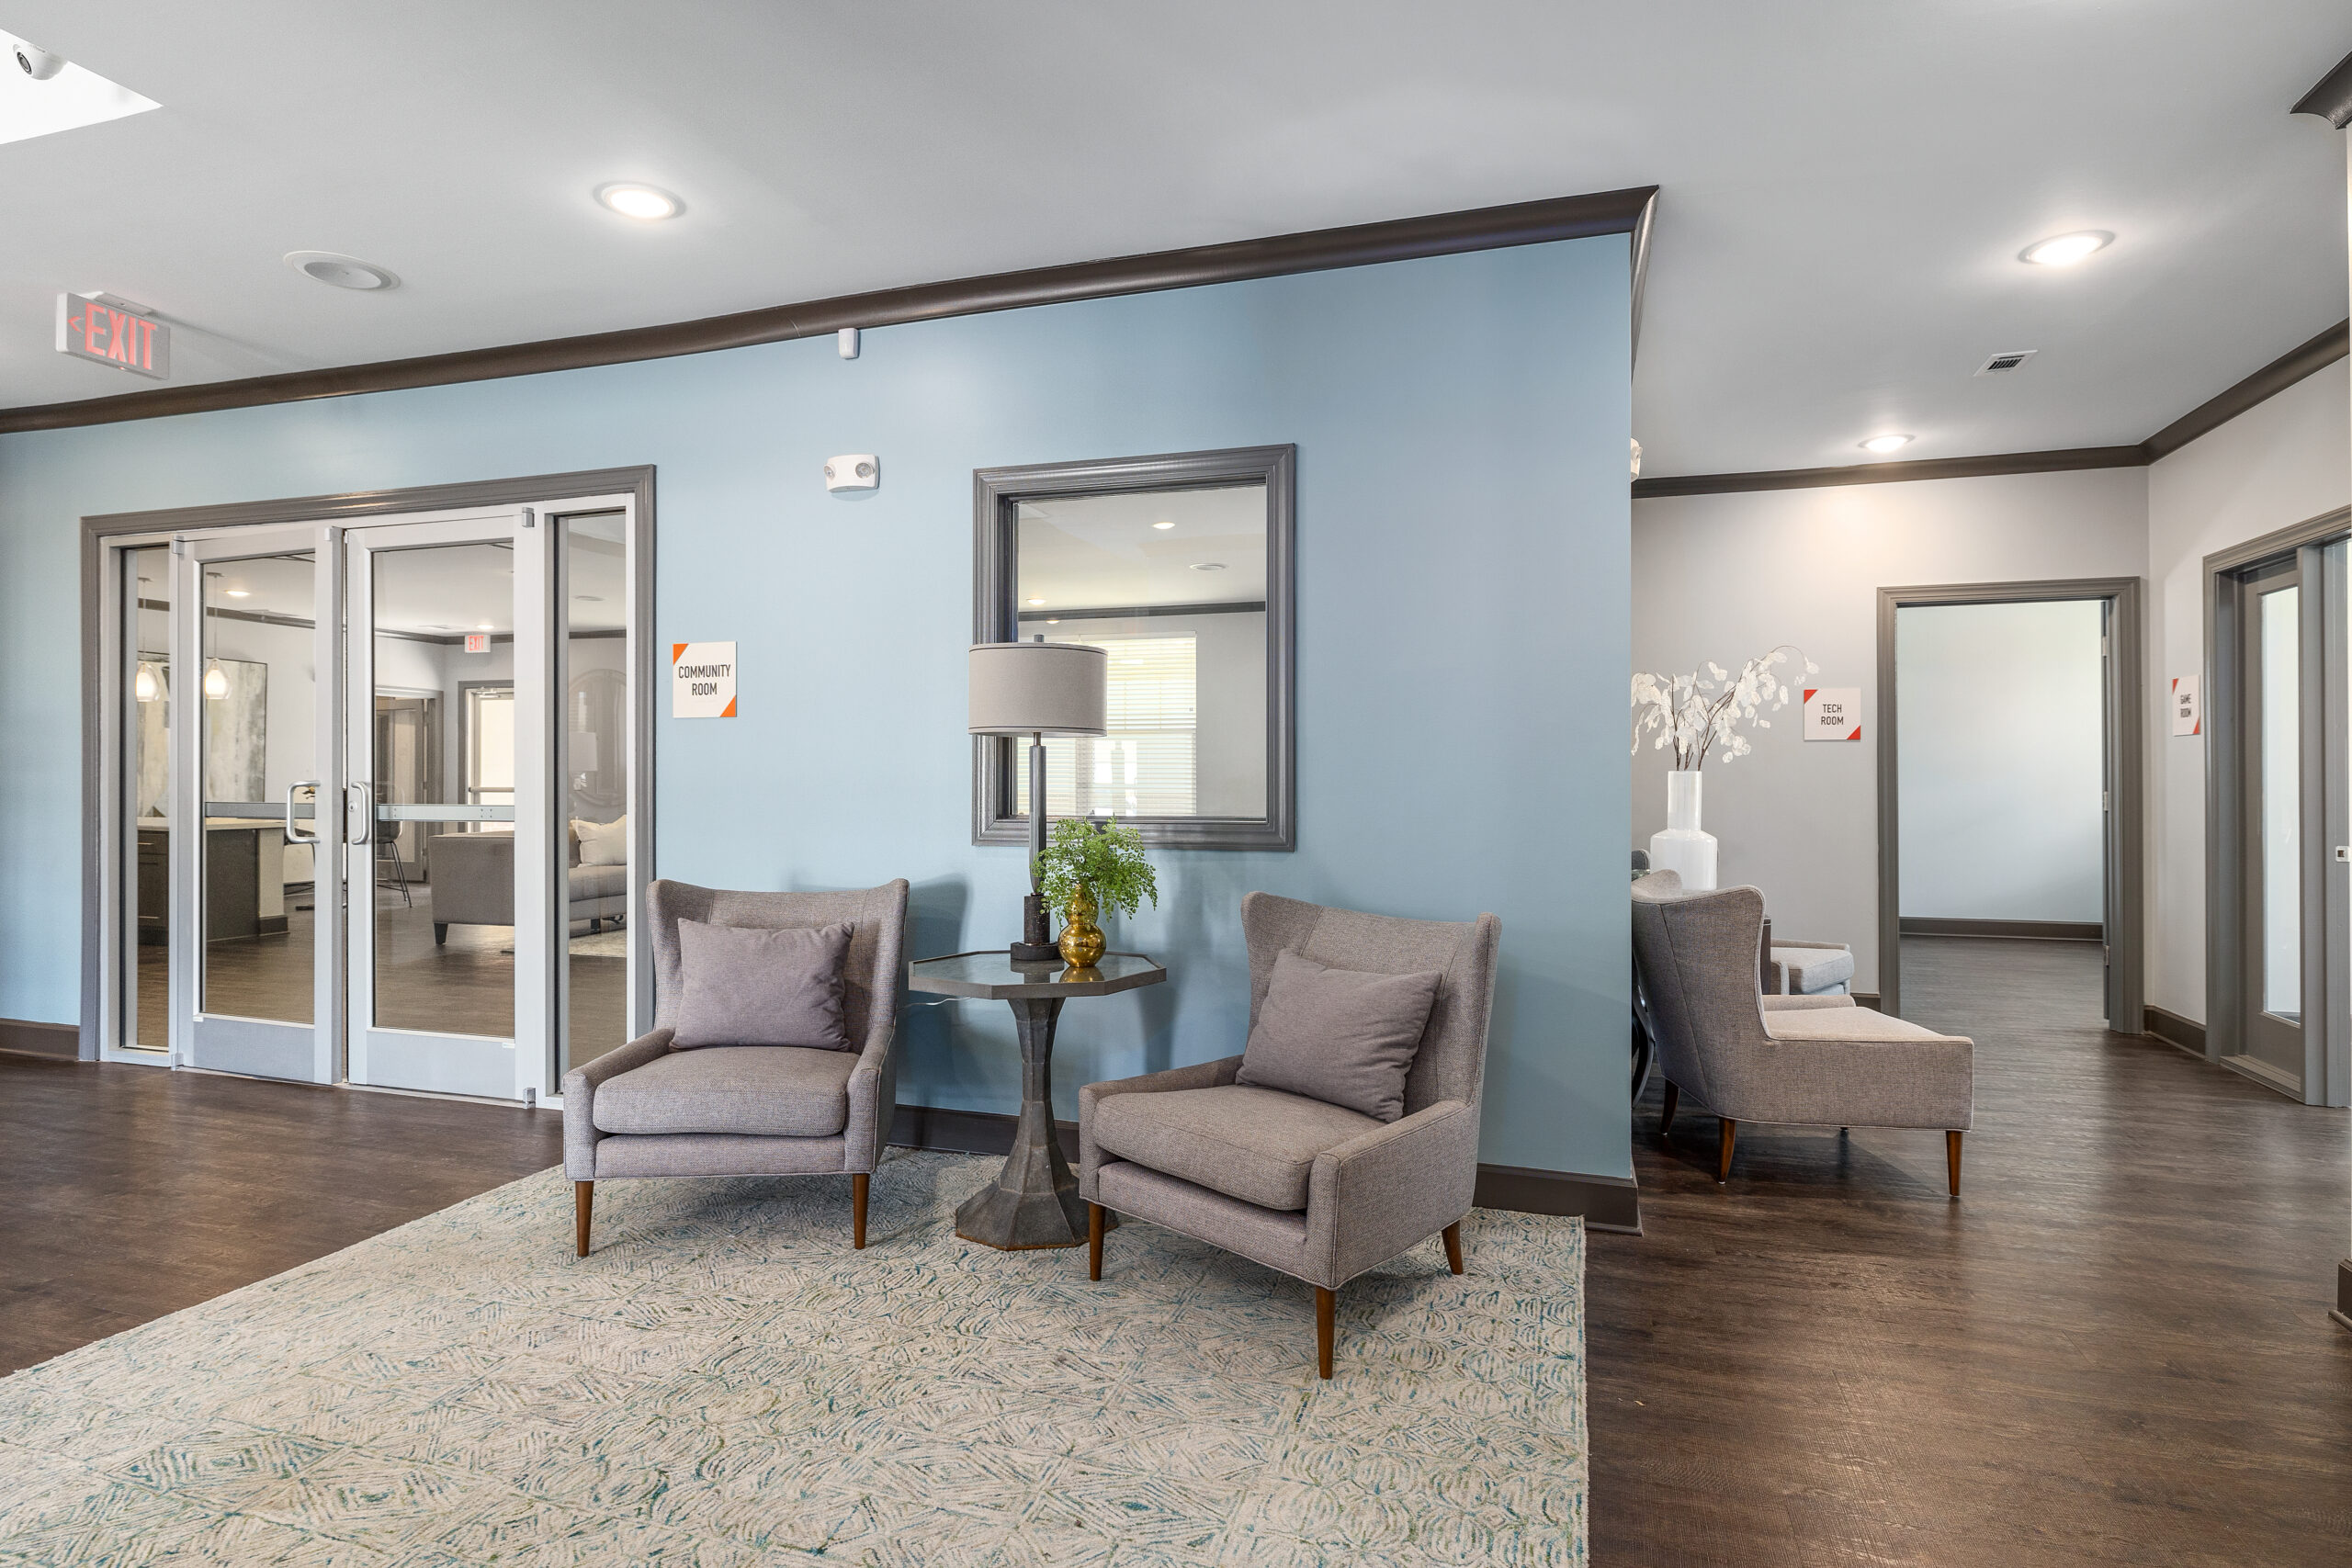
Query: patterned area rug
pixel 724 1381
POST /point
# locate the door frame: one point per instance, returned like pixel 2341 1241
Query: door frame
pixel 2319 545
pixel 2125 762
pixel 105 916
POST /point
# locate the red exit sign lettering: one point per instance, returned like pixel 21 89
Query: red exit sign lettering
pixel 89 328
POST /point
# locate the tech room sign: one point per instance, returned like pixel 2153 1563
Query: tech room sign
pixel 98 328
pixel 701 680
pixel 1833 712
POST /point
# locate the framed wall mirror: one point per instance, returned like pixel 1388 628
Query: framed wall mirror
pixel 1180 567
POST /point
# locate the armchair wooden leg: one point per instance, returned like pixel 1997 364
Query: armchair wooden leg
pixel 1723 1166
pixel 857 1183
pixel 1094 1241
pixel 583 1202
pixel 1453 1246
pixel 1951 1159
pixel 1665 1117
pixel 1325 1304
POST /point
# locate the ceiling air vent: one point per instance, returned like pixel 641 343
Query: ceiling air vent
pixel 2002 363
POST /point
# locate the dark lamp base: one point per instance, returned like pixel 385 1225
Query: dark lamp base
pixel 1035 953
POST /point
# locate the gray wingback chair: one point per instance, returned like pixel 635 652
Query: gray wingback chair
pixel 645 1110
pixel 1316 1192
pixel 1817 1060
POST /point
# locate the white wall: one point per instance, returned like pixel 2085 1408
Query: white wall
pixel 2001 710
pixel 2287 459
pixel 1724 577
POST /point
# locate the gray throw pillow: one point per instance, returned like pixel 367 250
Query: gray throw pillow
pixel 751 985
pixel 1342 1036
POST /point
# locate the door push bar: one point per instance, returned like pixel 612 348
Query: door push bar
pixel 361 811
pixel 293 834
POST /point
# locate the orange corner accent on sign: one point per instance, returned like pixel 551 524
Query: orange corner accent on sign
pixel 1809 691
pixel 1857 735
pixel 730 711
pixel 675 649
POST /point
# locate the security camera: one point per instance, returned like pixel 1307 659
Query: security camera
pixel 39 63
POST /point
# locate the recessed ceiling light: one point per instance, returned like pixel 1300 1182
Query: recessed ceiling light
pixel 1036 601
pixel 2065 250
pixel 1208 566
pixel 341 272
pixel 482 626
pixel 1885 442
pixel 1163 525
pixel 238 592
pixel 648 204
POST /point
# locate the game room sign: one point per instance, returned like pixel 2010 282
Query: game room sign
pixel 90 328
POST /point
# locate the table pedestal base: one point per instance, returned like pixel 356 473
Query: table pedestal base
pixel 1034 1201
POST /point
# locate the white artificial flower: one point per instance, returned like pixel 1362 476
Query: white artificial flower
pixel 1698 712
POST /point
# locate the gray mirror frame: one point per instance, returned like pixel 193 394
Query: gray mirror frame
pixel 997 493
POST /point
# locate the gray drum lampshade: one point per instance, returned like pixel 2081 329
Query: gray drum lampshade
pixel 1038 688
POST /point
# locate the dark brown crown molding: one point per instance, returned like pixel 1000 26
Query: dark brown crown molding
pixel 2314 355
pixel 2317 353
pixel 1892 473
pixel 1362 244
pixel 2332 99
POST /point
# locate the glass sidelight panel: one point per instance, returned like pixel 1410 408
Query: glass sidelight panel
pixel 595 763
pixel 147 795
pixel 257 687
pixel 2281 802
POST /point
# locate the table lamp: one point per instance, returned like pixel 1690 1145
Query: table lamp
pixel 1037 689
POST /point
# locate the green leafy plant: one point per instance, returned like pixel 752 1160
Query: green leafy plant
pixel 1108 861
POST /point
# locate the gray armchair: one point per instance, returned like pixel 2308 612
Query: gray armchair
pixel 1807 1060
pixel 645 1110
pixel 1311 1189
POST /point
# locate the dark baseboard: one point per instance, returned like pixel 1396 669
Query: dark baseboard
pixel 2035 930
pixel 967 1132
pixel 2173 1030
pixel 2343 1312
pixel 1868 1000
pixel 59 1040
pixel 1607 1202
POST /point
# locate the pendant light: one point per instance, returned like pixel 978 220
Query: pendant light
pixel 216 681
pixel 147 687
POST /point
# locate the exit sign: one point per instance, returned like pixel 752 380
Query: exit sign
pixel 89 328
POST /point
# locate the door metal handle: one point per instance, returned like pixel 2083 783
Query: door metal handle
pixel 293 834
pixel 367 814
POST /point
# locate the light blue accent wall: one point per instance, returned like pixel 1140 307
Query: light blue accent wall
pixel 1464 627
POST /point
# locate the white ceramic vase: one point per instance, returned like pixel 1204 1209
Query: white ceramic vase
pixel 1684 848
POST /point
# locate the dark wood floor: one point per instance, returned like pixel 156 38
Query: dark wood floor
pixel 2114 1348
pixel 127 1193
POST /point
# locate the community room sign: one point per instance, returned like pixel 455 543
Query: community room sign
pixel 701 680
pixel 89 328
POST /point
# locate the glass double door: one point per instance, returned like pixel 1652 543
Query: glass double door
pixel 357 905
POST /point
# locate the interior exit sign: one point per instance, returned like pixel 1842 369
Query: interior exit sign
pixel 90 328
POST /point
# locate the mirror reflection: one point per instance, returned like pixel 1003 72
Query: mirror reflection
pixel 1173 584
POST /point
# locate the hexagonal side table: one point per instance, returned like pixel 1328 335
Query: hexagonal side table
pixel 1034 1201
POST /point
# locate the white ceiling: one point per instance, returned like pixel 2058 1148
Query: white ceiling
pixel 1846 184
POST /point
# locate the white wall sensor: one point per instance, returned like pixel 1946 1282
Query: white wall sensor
pixel 846 340
pixel 859 471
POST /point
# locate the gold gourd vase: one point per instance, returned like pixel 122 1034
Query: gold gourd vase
pixel 1082 939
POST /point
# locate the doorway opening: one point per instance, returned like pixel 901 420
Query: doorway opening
pixel 344 768
pixel 2277 705
pixel 2009 786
